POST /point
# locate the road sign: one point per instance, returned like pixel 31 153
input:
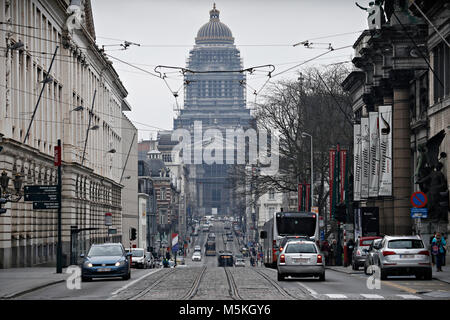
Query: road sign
pixel 419 213
pixel 45 205
pixel 108 219
pixel 57 160
pixel 40 189
pixel 419 199
pixel 41 197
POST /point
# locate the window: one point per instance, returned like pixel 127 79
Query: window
pixel 162 195
pixel 271 194
pixel 441 66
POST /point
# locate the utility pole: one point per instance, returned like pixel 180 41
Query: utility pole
pixel 58 161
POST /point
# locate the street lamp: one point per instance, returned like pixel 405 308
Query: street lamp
pixel 304 135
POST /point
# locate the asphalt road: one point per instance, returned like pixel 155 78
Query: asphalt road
pixel 204 280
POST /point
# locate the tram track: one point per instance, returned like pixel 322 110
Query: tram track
pixel 154 284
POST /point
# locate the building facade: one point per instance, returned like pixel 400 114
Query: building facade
pixel 214 100
pixel 404 66
pixel 81 103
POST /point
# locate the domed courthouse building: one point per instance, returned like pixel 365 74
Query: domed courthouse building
pixel 214 98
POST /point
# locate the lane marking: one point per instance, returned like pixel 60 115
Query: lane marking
pixel 134 281
pixel 372 296
pixel 336 296
pixel 408 296
pixel 398 286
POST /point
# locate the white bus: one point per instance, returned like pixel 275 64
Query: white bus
pixel 287 224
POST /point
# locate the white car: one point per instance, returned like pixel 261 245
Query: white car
pixel 240 262
pixel 197 248
pixel 138 257
pixel 196 256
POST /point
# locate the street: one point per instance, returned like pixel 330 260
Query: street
pixel 204 280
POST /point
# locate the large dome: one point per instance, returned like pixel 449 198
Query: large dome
pixel 214 31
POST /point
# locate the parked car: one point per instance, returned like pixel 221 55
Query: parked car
pixel 372 255
pixel 150 259
pixel 196 256
pixel 300 258
pixel 404 255
pixel 360 251
pixel 138 258
pixel 106 260
pixel 180 260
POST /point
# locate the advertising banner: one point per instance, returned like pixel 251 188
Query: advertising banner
pixel 385 132
pixel 342 173
pixel 356 162
pixel 365 152
pixel 374 154
pixel 331 171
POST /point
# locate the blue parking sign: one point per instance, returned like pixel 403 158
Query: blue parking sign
pixel 419 213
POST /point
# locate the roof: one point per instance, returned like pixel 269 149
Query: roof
pixel 214 31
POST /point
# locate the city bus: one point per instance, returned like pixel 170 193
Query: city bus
pixel 287 224
pixel 225 259
pixel 210 248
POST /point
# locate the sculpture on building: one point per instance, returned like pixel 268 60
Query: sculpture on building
pixel 429 176
pixel 376 14
pixel 76 15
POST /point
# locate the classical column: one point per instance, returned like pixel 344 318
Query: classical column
pixel 401 152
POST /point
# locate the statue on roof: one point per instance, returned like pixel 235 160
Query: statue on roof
pixel 76 15
pixel 376 14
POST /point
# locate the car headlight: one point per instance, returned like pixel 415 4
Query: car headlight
pixel 88 264
pixel 119 263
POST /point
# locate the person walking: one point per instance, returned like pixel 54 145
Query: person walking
pixel 325 250
pixel 333 249
pixel 431 243
pixel 438 245
pixel 350 247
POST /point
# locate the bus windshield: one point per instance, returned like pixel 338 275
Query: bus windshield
pixel 301 226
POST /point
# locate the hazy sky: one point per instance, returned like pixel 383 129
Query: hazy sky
pixel 264 32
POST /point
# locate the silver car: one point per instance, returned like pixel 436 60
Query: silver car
pixel 372 255
pixel 404 255
pixel 301 258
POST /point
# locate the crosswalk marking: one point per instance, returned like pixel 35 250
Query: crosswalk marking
pixel 372 296
pixel 336 296
pixel 408 296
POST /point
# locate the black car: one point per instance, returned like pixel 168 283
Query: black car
pixel 225 259
pixel 105 261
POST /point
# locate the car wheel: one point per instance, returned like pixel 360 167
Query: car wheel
pixel 280 277
pixel 85 279
pixel 383 274
pixel 322 277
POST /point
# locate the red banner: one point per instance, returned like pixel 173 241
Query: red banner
pixel 57 156
pixel 308 195
pixel 331 171
pixel 343 158
pixel 300 196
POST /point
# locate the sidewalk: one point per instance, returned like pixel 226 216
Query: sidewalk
pixel 443 276
pixel 17 281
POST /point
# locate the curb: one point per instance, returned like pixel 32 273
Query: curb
pixel 18 294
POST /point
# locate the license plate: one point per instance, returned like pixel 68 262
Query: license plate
pixel 300 260
pixel 104 269
pixel 406 256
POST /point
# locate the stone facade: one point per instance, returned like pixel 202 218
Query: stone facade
pixel 80 76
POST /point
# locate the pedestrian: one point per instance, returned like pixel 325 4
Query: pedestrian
pixel 333 248
pixel 325 250
pixel 445 250
pixel 431 243
pixel 350 247
pixel 438 245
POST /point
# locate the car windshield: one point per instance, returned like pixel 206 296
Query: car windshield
pixel 366 242
pixel 98 251
pixel 300 248
pixel 405 244
pixel 137 253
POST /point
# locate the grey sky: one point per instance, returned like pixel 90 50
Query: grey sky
pixel 166 30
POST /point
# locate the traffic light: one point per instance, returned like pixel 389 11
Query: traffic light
pixel 2 201
pixel 341 212
pixel 133 234
pixel 443 203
